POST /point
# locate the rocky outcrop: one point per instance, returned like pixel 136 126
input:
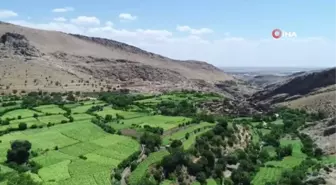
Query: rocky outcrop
pixel 324 134
pixel 18 44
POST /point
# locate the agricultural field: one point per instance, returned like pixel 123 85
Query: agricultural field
pixel 211 182
pixel 183 131
pixel 165 122
pixel 274 169
pixel 82 108
pixel 125 114
pixel 83 116
pixel 3 109
pixel 52 119
pixel 50 109
pixel 178 97
pixel 61 146
pixel 24 113
pixel 266 174
pixel 142 168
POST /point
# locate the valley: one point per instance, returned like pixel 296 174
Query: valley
pixel 80 110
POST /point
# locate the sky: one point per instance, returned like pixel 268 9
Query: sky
pixel 221 32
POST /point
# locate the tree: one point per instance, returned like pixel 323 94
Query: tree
pixel 264 155
pixel 151 140
pixel 176 144
pixel 187 135
pixel 240 177
pixel 108 118
pixel 19 152
pixel 201 177
pixel 22 126
pixel 318 152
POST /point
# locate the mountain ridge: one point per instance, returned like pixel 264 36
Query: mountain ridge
pixel 69 58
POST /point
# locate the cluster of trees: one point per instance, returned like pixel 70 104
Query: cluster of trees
pixel 95 108
pixel 102 123
pixel 181 108
pixel 297 176
pixel 7 104
pixel 120 100
pixel 151 140
pixel 155 130
pixel 130 161
pixel 309 147
pixel 210 151
pixel 34 99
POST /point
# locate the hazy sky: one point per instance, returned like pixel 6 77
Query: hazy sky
pixel 221 32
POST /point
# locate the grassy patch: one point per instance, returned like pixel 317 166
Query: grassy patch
pixel 79 117
pixel 267 175
pixel 181 133
pixel 125 114
pixel 52 119
pixel 51 109
pixel 165 122
pixel 24 113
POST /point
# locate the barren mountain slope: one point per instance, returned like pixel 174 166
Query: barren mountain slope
pixel 313 91
pixel 33 59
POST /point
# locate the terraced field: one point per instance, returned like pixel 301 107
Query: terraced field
pixel 24 113
pixel 125 114
pixel 60 147
pixel 275 169
pixel 51 109
pixel 181 133
pixel 267 175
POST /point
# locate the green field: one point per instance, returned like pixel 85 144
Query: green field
pixel 83 116
pixel 211 182
pixel 165 122
pixel 142 168
pixel 2 109
pixel 181 133
pixel 82 108
pixel 267 175
pixel 52 119
pixel 331 159
pixel 274 169
pixel 167 182
pixel 24 113
pixel 113 112
pixel 103 152
pixel 51 109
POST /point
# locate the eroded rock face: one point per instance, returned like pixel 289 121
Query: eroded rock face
pixel 18 44
pixel 324 134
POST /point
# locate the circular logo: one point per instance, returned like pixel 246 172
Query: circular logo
pixel 276 33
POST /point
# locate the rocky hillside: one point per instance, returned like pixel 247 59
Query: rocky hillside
pixel 32 59
pixel 314 91
pixel 324 134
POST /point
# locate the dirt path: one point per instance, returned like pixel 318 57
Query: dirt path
pixel 127 170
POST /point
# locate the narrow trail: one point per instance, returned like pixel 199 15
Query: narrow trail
pixel 127 170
